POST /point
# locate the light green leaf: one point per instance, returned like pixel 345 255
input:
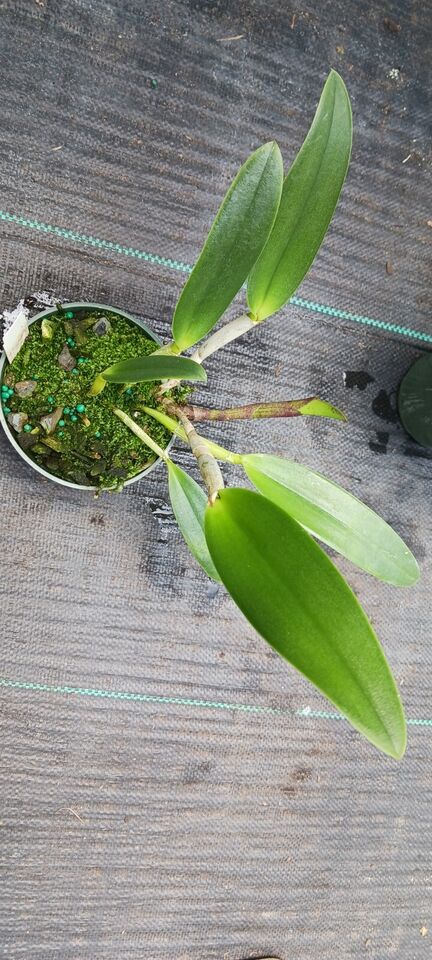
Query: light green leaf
pixel 335 516
pixel 297 600
pixel 189 502
pixel 310 193
pixel 158 367
pixel 321 408
pixel 239 232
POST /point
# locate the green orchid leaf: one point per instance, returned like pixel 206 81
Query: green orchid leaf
pixel 189 502
pixel 239 232
pixel 335 516
pixel 294 596
pixel 310 193
pixel 321 408
pixel 157 367
pixel 415 400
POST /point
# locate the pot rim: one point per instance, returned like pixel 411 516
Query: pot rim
pixel 3 360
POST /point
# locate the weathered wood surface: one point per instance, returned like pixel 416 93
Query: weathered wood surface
pixel 173 831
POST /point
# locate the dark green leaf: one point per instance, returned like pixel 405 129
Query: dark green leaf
pixel 310 193
pixel 158 367
pixel 238 234
pixel 297 600
pixel 335 516
pixel 415 401
pixel 189 502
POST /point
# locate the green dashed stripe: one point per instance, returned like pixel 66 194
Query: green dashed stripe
pixel 88 240
pixel 366 321
pixel 319 308
pixel 305 713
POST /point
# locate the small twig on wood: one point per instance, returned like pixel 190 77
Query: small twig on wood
pixel 75 814
pixel 239 36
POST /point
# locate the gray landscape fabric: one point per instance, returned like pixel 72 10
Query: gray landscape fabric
pixel 170 789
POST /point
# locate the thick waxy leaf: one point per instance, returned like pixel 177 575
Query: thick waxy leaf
pixel 415 401
pixel 238 234
pixel 189 502
pixel 310 193
pixel 335 516
pixel 297 600
pixel 158 367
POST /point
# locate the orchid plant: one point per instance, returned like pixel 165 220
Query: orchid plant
pixel 261 543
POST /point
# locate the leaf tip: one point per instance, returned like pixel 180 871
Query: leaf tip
pixel 396 739
pixel 336 78
pixel 412 572
pixel 201 374
pixel 321 408
pixel 399 743
pixel 269 146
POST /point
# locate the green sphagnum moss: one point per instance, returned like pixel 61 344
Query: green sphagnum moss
pixel 90 447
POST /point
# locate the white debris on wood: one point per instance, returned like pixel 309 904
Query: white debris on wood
pixel 46 298
pixel 15 322
pixel 395 75
pixel 39 300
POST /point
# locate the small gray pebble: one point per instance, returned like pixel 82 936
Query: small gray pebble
pixel 65 359
pixel 25 388
pixel 212 590
pixel 17 421
pixel 101 327
pixel 51 420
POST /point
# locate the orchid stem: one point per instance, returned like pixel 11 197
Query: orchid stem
pixel 207 463
pixel 308 406
pixel 220 453
pixel 230 331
